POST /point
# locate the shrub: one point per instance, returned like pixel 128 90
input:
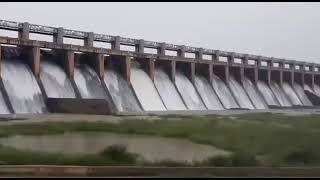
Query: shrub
pixel 241 158
pixel 217 161
pixel 118 153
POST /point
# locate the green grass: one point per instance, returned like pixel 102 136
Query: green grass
pixel 273 139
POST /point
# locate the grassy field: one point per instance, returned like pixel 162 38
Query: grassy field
pixel 261 139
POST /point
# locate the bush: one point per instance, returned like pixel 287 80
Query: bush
pixel 241 158
pixel 303 156
pixel 118 153
pixel 217 161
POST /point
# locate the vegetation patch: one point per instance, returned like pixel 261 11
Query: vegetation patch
pixel 265 139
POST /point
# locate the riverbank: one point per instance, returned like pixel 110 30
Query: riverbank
pixel 258 139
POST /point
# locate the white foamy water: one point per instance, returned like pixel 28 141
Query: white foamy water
pixel 55 81
pixel 316 89
pixel 254 94
pixel 268 95
pixel 120 91
pixel 240 94
pixel 3 106
pixel 223 92
pixel 188 92
pixel 88 82
pixel 168 91
pixel 300 92
pixel 207 93
pixel 291 94
pixel 146 91
pixel 306 87
pixel 22 87
pixel 281 96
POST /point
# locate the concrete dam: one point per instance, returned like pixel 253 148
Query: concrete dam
pixel 136 75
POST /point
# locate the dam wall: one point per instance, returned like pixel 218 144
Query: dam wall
pixel 138 75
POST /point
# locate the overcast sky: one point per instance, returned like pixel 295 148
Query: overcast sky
pixel 283 30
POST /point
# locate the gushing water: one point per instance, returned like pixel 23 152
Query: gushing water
pixel 254 95
pixel 55 81
pixel 268 95
pixel 224 93
pixel 22 87
pixel 146 91
pixel 281 96
pixel 316 89
pixel 88 83
pixel 167 91
pixel 207 93
pixel 120 91
pixel 300 92
pixel 306 87
pixel 291 94
pixel 240 94
pixel 188 92
pixel 3 107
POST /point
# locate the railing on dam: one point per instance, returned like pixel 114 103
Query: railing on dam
pixel 116 41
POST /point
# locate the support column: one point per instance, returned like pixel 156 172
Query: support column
pixel 127 69
pixel 312 75
pixel 181 51
pixel 312 80
pixel 162 49
pixel 116 43
pixel 210 73
pixel 151 67
pixel 302 78
pixel 256 75
pixel 58 37
pixel 99 65
pixel 269 64
pixel 281 77
pixel 88 41
pixel 140 46
pixel 245 60
pixel 242 74
pixel 231 58
pixel 172 70
pixel 269 76
pixel 199 54
pixel 69 63
pixel 226 73
pixel 24 31
pixel 215 56
pixel 292 78
pixel 192 72
pixel 35 61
